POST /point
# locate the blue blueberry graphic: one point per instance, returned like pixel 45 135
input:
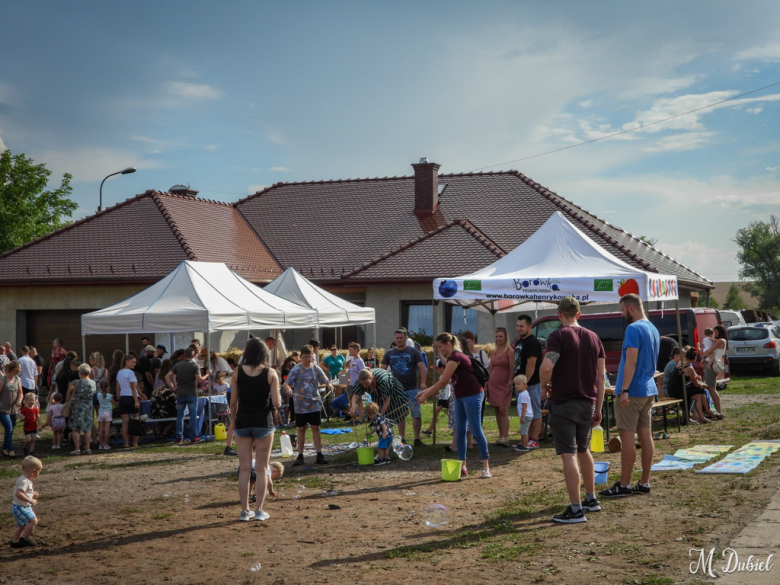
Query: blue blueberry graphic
pixel 448 289
pixel 536 282
pixel 526 283
pixel 555 287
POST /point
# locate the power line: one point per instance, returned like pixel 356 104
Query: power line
pixel 630 129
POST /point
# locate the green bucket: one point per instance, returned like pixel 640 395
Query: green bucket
pixel 450 469
pixel 365 455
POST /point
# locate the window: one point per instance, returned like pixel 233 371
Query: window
pixel 609 330
pixel 748 334
pixel 459 319
pixel 418 320
pixel 542 330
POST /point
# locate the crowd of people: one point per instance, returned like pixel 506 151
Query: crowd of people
pixel 568 380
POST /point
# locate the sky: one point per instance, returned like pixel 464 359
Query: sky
pixel 231 97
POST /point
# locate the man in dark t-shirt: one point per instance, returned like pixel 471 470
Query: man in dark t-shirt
pixel 186 373
pixel 528 360
pixel 405 363
pixel 149 366
pixel 574 366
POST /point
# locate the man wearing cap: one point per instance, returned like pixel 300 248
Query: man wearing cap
pixel 161 351
pixel 574 369
pixel 149 366
pixel 637 390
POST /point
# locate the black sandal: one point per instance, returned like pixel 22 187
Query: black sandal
pixel 448 449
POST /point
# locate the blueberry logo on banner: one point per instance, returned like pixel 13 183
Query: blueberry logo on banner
pixel 448 289
pixel 472 285
pixel 603 285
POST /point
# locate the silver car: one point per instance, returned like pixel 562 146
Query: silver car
pixel 754 347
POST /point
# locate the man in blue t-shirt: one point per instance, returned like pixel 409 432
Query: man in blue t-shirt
pixel 404 363
pixel 637 390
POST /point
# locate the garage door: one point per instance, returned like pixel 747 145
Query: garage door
pixel 44 326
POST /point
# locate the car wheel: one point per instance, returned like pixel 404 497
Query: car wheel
pixel 774 371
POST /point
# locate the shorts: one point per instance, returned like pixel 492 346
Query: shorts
pixel 58 423
pixel 636 415
pixel 535 392
pixel 443 403
pixel 710 377
pixel 385 443
pixel 105 417
pixel 127 405
pixel 570 424
pixel 525 425
pixel 22 514
pixel 312 418
pixel 414 408
pixel 254 432
pixel 32 432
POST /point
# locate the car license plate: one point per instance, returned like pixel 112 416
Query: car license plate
pixel 746 350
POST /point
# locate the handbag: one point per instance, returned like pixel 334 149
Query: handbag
pixel 136 427
pixel 66 408
pixel 718 367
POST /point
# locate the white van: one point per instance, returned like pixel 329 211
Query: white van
pixel 731 318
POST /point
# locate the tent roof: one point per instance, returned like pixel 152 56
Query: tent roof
pixel 557 260
pixel 331 311
pixel 198 296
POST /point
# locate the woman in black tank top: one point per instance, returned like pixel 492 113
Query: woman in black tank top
pixel 254 400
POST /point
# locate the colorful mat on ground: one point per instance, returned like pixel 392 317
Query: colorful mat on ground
pixel 745 459
pixel 335 431
pixel 687 458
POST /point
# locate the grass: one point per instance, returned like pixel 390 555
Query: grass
pixel 161 515
pixel 753 385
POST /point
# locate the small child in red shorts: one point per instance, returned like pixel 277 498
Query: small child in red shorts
pixel 30 411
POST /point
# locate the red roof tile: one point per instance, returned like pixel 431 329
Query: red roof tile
pixel 141 239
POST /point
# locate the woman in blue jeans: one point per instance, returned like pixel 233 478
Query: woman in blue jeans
pixel 468 398
pixel 10 403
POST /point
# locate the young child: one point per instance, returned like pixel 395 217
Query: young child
pixel 55 420
pixel 524 411
pixel 106 405
pixel 705 344
pixel 275 471
pixel 24 500
pixel 442 401
pixel 30 412
pixel 383 431
pixel 220 386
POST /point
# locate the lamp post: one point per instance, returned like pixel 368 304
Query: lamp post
pixel 126 171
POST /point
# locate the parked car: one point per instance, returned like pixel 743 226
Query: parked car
pixel 731 318
pixel 610 328
pixel 755 347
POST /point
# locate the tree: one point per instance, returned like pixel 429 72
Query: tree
pixel 734 300
pixel 27 209
pixel 759 257
pixel 713 303
pixel 648 240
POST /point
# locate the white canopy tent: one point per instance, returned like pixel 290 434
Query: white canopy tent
pixel 558 260
pixel 330 310
pixel 198 296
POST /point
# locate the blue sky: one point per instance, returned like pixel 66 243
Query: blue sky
pixel 230 97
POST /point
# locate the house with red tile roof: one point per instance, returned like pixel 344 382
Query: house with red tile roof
pixel 375 241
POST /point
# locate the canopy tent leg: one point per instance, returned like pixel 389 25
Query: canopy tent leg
pixel 211 386
pixel 680 341
pixel 435 373
pixel 84 348
pixel 494 320
pixel 127 344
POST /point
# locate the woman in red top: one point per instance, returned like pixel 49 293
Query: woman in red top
pixel 58 353
pixel 468 398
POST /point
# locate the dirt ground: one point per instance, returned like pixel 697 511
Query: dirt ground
pixel 169 515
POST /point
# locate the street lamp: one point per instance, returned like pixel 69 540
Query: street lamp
pixel 126 171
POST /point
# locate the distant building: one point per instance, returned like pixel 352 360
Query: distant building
pixel 721 290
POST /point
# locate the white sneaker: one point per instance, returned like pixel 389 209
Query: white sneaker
pixel 246 516
pixel 262 515
pixel 107 447
pixel 486 474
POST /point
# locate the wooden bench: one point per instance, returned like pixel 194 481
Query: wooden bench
pixel 664 405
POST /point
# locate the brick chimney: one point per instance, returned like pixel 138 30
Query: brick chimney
pixel 426 187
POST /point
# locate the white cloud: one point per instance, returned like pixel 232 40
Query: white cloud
pixel 767 53
pixel 192 91
pixel 255 188
pixel 2 145
pixel 649 86
pixel 92 163
pixel 773 168
pixel 756 110
pixel 585 104
pixel 679 142
pixel 280 169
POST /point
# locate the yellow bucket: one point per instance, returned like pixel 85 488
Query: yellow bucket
pixel 450 469
pixel 365 455
pixel 220 434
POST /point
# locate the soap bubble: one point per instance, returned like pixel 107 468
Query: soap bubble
pixel 435 516
pixel 366 399
pixel 255 568
pixel 405 453
pixel 397 446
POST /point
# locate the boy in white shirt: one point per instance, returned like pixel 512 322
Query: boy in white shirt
pixel 524 411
